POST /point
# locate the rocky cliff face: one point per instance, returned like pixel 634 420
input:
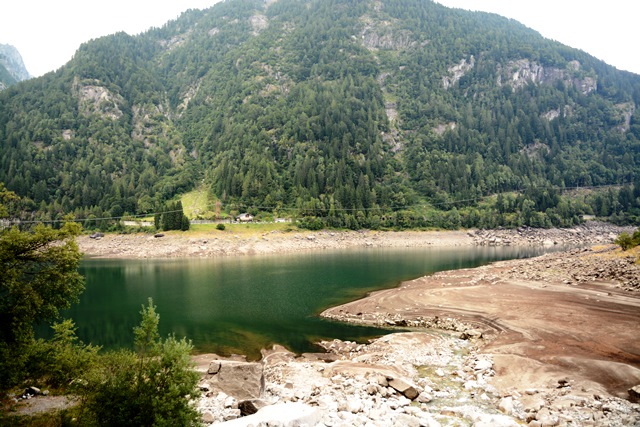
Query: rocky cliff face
pixel 12 69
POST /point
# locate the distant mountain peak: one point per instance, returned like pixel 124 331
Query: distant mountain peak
pixel 12 69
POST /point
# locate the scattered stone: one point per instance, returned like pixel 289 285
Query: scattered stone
pixel 31 391
pixel 506 405
pixel 404 387
pixel 250 407
pixel 284 414
pixel 424 397
pixel 208 418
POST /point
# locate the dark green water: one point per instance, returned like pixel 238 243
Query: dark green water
pixel 242 304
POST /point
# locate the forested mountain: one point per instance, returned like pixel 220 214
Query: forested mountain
pixel 12 69
pixel 362 113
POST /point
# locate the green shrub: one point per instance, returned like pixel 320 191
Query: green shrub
pixel 626 241
pixel 61 361
pixel 310 223
pixel 153 386
pixel 220 227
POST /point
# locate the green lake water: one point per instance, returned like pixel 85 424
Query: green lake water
pixel 242 304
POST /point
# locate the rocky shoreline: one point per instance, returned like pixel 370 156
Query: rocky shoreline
pixel 591 232
pixel 226 243
pixel 404 379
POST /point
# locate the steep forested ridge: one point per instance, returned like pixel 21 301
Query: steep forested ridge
pixel 348 113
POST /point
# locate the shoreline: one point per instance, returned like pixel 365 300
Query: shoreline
pixel 581 303
pixel 209 244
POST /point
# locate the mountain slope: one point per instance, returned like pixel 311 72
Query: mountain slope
pixel 12 69
pixel 363 113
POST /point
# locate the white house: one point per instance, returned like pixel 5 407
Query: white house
pixel 244 217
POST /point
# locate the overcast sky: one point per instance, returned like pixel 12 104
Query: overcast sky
pixel 47 33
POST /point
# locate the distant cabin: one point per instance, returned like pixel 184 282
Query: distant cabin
pixel 245 217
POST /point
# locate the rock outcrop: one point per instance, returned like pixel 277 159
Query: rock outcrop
pixel 240 380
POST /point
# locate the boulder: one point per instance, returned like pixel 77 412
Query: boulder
pixel 250 407
pixel 208 418
pixel 483 365
pixel 214 367
pixel 406 420
pixel 404 387
pixel 634 394
pixel 425 397
pixel 242 380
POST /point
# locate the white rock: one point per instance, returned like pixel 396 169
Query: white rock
pixel 424 397
pixel 354 405
pixel 285 415
pixel 488 420
pixel 229 402
pixel 506 405
pixel 470 385
pixel 483 365
pixel 405 420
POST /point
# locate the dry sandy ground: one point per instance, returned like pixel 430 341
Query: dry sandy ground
pixel 542 324
pixel 217 243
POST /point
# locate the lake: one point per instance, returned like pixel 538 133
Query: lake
pixel 245 303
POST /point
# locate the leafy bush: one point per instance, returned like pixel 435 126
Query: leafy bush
pixel 627 241
pixel 39 278
pixel 311 223
pixel 220 227
pixel 153 386
pixel 62 360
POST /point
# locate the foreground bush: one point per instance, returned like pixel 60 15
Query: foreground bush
pixel 153 386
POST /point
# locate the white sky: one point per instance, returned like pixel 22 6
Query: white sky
pixel 606 29
pixel 47 33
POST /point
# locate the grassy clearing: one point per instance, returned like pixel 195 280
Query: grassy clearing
pixel 196 203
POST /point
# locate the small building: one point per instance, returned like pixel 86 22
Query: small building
pixel 244 217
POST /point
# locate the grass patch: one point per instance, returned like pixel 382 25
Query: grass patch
pixel 196 203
